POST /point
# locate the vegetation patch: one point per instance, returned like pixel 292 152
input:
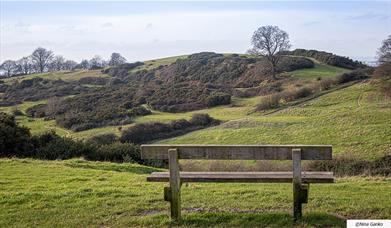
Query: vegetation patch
pixel 145 132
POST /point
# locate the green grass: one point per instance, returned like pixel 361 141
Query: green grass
pixel 77 193
pixel 356 120
pixel 320 70
pixel 152 64
pixel 63 75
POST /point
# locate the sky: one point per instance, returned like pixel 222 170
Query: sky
pixel 149 30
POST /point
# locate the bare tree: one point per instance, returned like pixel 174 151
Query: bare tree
pixel 57 63
pixel 384 52
pixel 69 65
pixel 269 41
pixel 84 64
pixel 25 65
pixel 116 59
pixel 9 66
pixel 96 62
pixel 41 58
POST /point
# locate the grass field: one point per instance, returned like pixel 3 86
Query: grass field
pixel 63 75
pixel 77 193
pixel 356 120
pixel 320 70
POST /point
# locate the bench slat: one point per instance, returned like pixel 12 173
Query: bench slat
pixel 267 177
pixel 237 152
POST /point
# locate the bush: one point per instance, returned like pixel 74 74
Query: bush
pixel 382 77
pixel 218 98
pixel 62 148
pixel 269 102
pixel 328 58
pixel 202 119
pixel 115 152
pixel 103 139
pixel 145 132
pixel 326 84
pixel 354 75
pixel 14 140
pixel 350 166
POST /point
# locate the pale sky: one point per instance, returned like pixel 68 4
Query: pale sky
pixel 150 30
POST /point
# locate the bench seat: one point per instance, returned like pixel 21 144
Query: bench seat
pixel 244 177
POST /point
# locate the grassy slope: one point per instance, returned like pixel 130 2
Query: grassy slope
pixel 320 70
pixel 355 120
pixel 63 75
pixel 77 193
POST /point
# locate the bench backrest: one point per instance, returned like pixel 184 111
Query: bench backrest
pixel 237 152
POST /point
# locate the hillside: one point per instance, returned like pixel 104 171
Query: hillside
pixel 340 116
pixel 356 120
pixel 76 193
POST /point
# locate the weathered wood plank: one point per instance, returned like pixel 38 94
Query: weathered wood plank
pixel 175 185
pixel 244 177
pixel 296 183
pixel 238 152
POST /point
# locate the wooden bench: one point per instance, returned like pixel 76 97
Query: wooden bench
pixel 300 180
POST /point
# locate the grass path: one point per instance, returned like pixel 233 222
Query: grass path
pixel 78 193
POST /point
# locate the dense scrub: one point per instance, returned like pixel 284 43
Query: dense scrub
pixel 16 141
pixel 94 109
pixel 145 132
pixel 38 89
pixel 328 58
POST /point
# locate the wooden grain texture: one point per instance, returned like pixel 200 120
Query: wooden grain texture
pixel 175 184
pixel 244 177
pixel 296 183
pixel 237 152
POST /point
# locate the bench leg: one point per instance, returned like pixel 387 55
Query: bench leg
pixel 296 181
pixel 175 185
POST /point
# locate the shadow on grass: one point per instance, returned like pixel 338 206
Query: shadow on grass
pixel 110 166
pixel 227 219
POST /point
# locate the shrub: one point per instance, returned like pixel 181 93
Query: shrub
pixel 326 84
pixel 14 140
pixel 202 119
pixel 328 58
pixel 269 102
pixel 218 98
pixel 103 139
pixel 115 152
pixel 382 77
pixel 62 148
pixel 354 75
pixel 37 111
pixel 350 166
pixel 144 132
pixel 93 80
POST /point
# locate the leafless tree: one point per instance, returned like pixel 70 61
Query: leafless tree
pixel 41 58
pixel 9 66
pixel 57 63
pixel 116 59
pixel 96 62
pixel 269 41
pixel 25 65
pixel 69 65
pixel 384 52
pixel 84 64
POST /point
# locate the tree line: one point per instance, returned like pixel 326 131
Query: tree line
pixel 43 60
